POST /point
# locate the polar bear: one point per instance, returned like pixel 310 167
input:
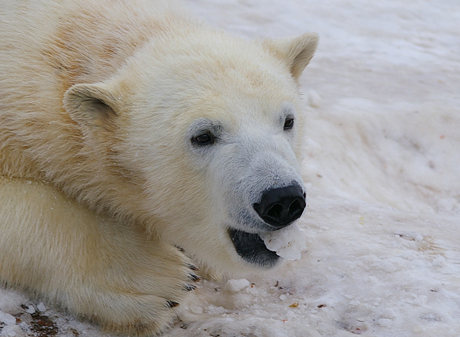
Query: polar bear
pixel 129 129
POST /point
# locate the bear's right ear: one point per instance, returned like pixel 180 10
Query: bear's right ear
pixel 296 53
pixel 91 105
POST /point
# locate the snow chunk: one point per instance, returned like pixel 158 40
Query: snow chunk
pixel 41 307
pixel 7 318
pixel 12 331
pixel 30 309
pixel 288 242
pixel 234 286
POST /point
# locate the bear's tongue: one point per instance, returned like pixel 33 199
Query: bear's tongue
pixel 252 248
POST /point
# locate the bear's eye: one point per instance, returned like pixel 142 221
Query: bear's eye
pixel 203 139
pixel 288 123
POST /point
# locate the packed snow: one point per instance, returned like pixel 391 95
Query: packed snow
pixel 382 167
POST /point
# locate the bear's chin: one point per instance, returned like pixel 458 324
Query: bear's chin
pixel 251 248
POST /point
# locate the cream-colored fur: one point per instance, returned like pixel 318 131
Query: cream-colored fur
pixel 99 180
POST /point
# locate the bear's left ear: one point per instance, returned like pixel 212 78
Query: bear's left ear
pixel 91 105
pixel 296 52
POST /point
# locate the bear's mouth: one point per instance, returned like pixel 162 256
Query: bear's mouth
pixel 251 248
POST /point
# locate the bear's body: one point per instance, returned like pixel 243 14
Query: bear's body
pixel 127 128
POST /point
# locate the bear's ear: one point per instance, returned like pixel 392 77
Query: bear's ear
pixel 91 105
pixel 295 52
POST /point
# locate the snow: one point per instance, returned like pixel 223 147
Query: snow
pixel 288 243
pixel 235 286
pixel 382 158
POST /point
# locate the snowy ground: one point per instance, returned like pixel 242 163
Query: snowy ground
pixel 383 169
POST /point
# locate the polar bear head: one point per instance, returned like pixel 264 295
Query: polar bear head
pixel 206 129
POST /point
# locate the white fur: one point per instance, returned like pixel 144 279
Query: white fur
pixel 99 101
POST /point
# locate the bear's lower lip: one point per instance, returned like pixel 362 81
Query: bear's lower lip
pixel 251 248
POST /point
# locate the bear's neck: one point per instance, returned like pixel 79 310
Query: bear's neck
pixel 63 157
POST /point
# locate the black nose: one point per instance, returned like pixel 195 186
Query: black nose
pixel 279 207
